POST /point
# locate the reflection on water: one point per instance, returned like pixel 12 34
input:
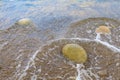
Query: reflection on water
pixel 46 12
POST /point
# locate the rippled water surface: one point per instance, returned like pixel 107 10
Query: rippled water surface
pixel 45 13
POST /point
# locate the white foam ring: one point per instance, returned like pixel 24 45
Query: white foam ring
pixel 82 73
pixel 111 47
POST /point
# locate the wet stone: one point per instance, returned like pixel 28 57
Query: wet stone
pixel 103 30
pixel 75 53
pixel 24 21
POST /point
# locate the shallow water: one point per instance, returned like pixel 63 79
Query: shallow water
pixel 29 52
pixel 57 13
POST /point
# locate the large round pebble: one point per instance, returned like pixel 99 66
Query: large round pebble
pixel 75 53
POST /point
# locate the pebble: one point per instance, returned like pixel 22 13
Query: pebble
pixel 24 21
pixel 75 53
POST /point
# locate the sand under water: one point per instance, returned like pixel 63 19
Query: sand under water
pixel 27 53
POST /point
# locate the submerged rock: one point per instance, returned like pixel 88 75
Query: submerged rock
pixel 75 53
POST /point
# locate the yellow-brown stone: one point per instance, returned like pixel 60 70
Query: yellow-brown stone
pixel 24 21
pixel 103 30
pixel 75 53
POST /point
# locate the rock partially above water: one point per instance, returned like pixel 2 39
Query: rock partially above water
pixel 75 53
pixel 24 21
pixel 103 30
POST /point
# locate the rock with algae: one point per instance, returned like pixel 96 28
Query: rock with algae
pixel 75 53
